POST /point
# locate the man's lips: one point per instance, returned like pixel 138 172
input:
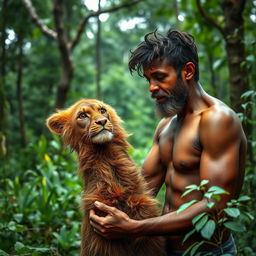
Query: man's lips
pixel 160 99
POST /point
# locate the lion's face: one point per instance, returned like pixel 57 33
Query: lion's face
pixel 94 121
pixel 89 121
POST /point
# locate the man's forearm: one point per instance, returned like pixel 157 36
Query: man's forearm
pixel 168 224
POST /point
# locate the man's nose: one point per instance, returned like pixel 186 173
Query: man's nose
pixel 101 121
pixel 153 87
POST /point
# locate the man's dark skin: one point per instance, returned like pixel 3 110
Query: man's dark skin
pixel 203 141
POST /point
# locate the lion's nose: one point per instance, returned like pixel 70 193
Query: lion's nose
pixel 101 121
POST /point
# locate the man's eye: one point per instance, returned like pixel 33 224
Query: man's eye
pixel 82 115
pixel 160 78
pixel 103 110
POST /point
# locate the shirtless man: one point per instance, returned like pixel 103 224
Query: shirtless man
pixel 199 138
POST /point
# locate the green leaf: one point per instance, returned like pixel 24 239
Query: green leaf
pixel 198 217
pixel 248 215
pixel 18 246
pixel 3 253
pixel 235 226
pixel 204 182
pixel 217 190
pixel 232 212
pixel 18 217
pixel 208 229
pixel 210 205
pixel 193 186
pixel 248 94
pixel 187 192
pixel 217 197
pixel 222 220
pixel 208 195
pixel 196 247
pixel 183 207
pixel 189 249
pixel 189 234
pixel 243 198
pixel 199 225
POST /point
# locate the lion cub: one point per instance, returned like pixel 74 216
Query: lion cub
pixel 92 128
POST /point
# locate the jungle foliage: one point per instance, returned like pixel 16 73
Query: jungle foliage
pixel 39 186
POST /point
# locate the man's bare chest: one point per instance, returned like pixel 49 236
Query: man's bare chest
pixel 179 145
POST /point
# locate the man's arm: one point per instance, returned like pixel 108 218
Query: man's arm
pixel 153 169
pixel 221 136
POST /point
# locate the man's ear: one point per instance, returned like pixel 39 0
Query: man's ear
pixel 56 122
pixel 188 71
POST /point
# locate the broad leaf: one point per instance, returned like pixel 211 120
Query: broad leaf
pixel 199 225
pixel 189 234
pixel 243 198
pixel 183 207
pixel 195 248
pixel 208 229
pixel 234 226
pixel 204 182
pixel 193 186
pixel 232 212
pixel 210 205
pixel 198 217
pixel 187 192
pixel 217 190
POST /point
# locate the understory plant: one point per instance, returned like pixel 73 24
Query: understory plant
pixel 212 224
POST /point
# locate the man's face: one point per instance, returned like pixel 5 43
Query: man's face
pixel 169 90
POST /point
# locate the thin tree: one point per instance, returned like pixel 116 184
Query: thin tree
pixel 3 101
pixel 98 56
pixel 233 34
pixel 65 45
pixel 20 65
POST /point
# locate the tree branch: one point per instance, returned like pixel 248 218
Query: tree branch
pixel 210 19
pixel 84 21
pixel 45 30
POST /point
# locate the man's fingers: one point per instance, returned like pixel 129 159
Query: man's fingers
pixel 103 207
pixel 95 218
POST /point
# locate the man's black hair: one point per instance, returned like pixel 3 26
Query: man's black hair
pixel 176 47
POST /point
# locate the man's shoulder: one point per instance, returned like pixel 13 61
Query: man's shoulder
pixel 219 124
pixel 219 114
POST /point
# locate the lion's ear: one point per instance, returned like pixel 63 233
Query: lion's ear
pixel 56 122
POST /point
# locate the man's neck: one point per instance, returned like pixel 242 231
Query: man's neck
pixel 195 100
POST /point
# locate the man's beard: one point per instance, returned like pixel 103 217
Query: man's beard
pixel 175 102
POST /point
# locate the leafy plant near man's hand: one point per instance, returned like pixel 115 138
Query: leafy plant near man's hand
pixel 211 225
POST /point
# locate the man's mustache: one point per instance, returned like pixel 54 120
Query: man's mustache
pixel 159 94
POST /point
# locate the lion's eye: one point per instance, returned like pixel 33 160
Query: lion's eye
pixel 103 110
pixel 82 115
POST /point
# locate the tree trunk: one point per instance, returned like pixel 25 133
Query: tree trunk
pixel 238 73
pixel 235 49
pixel 3 101
pixel 233 33
pixel 98 56
pixel 23 138
pixel 65 56
pixel 177 12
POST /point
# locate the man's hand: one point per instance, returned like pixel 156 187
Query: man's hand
pixel 116 224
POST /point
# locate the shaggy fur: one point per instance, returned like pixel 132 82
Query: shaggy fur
pixel 93 130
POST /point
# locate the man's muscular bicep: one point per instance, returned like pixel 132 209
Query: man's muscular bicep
pixel 221 137
pixel 153 169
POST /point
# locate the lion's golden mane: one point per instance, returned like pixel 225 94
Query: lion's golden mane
pixel 92 128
